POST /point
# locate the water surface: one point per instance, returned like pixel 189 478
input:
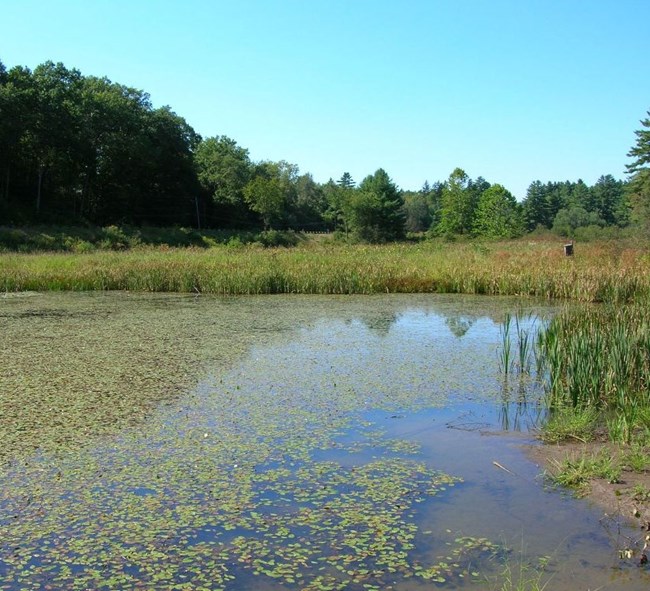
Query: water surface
pixel 323 443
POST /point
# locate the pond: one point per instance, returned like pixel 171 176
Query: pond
pixel 289 442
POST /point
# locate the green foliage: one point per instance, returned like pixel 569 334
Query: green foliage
pixel 570 424
pixel 568 220
pixel 310 205
pixel 636 458
pixel 536 208
pixel 639 188
pixel 524 576
pixel 610 201
pixel 498 214
pixel 457 205
pixel 89 150
pixel 223 170
pixel 346 181
pixel 417 212
pixel 576 473
pixel 278 238
pixel 641 151
pixel 376 210
pixel 266 197
pixel 598 360
pixel 573 205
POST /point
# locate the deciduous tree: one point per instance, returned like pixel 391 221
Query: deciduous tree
pixel 498 214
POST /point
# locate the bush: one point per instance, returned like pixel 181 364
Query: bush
pixel 278 238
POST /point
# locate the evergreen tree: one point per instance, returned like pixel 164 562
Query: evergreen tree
pixel 536 207
pixel 346 181
pixel 609 200
pixel 639 169
pixel 376 210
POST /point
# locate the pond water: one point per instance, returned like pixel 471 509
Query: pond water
pixel 322 443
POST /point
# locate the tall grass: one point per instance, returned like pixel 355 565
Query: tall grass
pixel 598 273
pixel 599 358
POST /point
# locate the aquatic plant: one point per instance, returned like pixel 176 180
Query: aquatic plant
pixel 576 473
pixel 263 473
pixel 599 358
pixel 506 345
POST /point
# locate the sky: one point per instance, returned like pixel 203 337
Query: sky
pixel 510 90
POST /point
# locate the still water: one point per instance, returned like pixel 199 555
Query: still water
pixel 325 443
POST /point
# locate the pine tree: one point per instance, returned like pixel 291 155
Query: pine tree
pixel 639 187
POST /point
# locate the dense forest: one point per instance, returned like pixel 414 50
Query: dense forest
pixel 86 150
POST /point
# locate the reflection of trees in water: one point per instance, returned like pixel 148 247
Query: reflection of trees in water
pixel 459 325
pixel 380 321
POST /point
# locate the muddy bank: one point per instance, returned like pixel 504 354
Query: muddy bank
pixel 621 501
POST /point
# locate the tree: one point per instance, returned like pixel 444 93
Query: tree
pixel 639 169
pixel 50 133
pixel 223 169
pixel 416 211
pixel 568 219
pixel 346 181
pixel 339 197
pixel 609 201
pixel 265 197
pixel 310 204
pixel 458 202
pixel 272 192
pixel 17 98
pixel 376 209
pixel 497 214
pixel 167 183
pixel 536 207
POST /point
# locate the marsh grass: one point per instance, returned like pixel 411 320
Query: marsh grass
pixel 519 572
pixel 566 424
pixel 524 576
pixel 600 273
pixel 576 473
pixel 598 360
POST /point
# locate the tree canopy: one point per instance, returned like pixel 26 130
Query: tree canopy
pixel 85 149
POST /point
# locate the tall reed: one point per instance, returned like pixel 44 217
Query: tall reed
pixel 599 358
pixel 599 273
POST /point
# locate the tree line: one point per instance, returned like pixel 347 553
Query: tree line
pixel 84 149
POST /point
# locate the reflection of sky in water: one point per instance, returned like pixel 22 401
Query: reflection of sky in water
pixel 412 357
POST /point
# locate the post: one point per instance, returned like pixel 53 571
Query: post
pixel 568 249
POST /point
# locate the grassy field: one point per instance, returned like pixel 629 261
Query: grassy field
pixel 614 272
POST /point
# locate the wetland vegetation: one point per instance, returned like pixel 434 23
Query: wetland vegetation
pixel 616 272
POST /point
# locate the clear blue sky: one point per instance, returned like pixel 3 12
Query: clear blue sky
pixel 511 90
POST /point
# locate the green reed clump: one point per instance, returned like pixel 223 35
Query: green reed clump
pixel 599 358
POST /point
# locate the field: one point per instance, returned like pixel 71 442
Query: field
pixel 614 272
